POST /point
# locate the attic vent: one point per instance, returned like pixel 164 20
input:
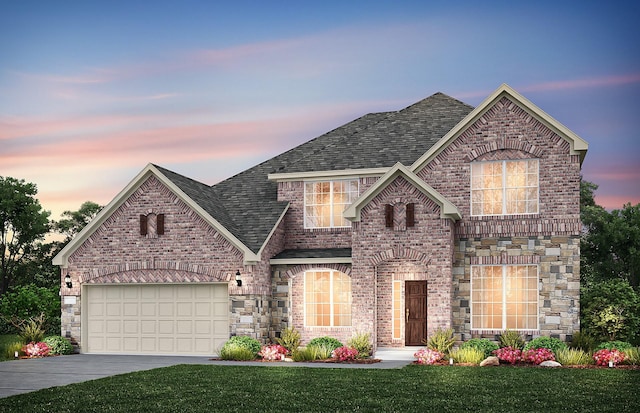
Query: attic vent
pixel 152 225
pixel 411 220
pixel 388 216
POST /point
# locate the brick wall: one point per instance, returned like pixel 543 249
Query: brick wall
pixel 189 251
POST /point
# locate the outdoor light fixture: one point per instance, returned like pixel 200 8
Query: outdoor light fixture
pixel 67 280
pixel 238 279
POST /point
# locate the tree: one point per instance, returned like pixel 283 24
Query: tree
pixel 23 223
pixel 74 221
pixel 610 247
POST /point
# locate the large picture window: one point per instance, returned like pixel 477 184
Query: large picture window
pixel 324 203
pixel 504 187
pixel 504 297
pixel 327 299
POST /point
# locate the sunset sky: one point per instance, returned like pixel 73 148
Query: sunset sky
pixel 90 92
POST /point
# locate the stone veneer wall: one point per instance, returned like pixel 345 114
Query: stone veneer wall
pixel 558 260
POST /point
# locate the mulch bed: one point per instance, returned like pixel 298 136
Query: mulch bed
pixel 357 361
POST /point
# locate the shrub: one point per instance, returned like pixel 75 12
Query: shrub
pixel 483 344
pixel 36 349
pixel 236 352
pixel 618 345
pixel 508 354
pixel 58 345
pixel 441 340
pixel 362 343
pixel 573 357
pixel 345 353
pixel 29 301
pixel 273 352
pixel 583 341
pixel 240 346
pixel 537 355
pixel 31 330
pixel 325 341
pixel 305 354
pixel 11 348
pixel 604 356
pixel 511 338
pixel 428 356
pixel 322 351
pixel 632 356
pixel 610 310
pixel 468 354
pixel 289 339
pixel 551 343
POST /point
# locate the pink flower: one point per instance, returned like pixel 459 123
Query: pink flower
pixel 604 356
pixel 537 355
pixel 273 352
pixel 39 349
pixel 428 356
pixel 345 353
pixel 508 354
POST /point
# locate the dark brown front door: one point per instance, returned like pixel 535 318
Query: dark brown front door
pixel 415 302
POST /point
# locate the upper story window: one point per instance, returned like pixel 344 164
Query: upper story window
pixel 504 187
pixel 325 201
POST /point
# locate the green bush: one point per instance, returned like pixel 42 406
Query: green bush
pixel 441 340
pixel 469 354
pixel 10 349
pixel 31 329
pixel 618 345
pixel 240 346
pixel 551 343
pixel 305 354
pixel 583 341
pixel 632 356
pixel 511 338
pixel 289 339
pixel 610 310
pixel 326 341
pixel 573 357
pixel 362 343
pixel 58 345
pixel 483 344
pixel 29 301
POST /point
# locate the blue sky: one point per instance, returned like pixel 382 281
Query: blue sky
pixel 90 92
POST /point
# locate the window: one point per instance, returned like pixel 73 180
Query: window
pixel 504 187
pixel 324 203
pixel 397 309
pixel 327 299
pixel 504 297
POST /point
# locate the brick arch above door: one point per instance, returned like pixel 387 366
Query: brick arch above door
pixel 400 252
pixel 166 271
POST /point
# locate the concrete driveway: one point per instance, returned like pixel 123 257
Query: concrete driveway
pixel 23 376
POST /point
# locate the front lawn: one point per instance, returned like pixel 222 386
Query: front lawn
pixel 276 389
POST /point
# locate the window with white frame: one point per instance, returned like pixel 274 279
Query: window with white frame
pixel 504 187
pixel 327 299
pixel 504 297
pixel 325 202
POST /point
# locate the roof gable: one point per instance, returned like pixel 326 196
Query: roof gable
pixel 182 187
pixel 577 144
pixel 447 209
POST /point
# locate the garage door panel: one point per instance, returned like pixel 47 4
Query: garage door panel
pixel 157 319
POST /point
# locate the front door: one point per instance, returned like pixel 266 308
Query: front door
pixel 415 312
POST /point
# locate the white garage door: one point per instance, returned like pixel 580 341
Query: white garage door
pixel 156 319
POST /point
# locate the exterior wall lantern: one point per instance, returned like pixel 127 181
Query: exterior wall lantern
pixel 67 280
pixel 238 278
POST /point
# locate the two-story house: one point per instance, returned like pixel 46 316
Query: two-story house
pixel 398 223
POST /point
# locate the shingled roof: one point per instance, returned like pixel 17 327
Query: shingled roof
pixel 246 204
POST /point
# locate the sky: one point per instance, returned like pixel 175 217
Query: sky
pixel 91 92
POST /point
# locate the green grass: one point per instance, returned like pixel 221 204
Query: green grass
pixel 299 389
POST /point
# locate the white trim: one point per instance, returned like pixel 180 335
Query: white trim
pixel 578 145
pixel 447 209
pixel 302 261
pixel 62 257
pixel 329 175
